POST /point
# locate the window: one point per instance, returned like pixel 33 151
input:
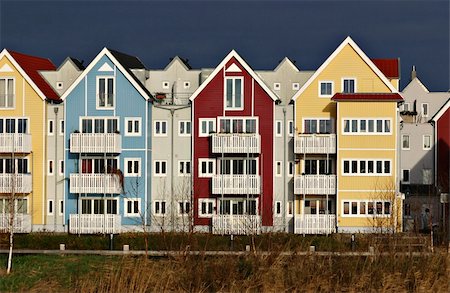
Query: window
pixel 184 207
pixel 159 207
pixel 291 128
pixel 51 127
pixel 50 207
pixel 132 207
pixel 317 167
pixel 234 93
pixel 427 142
pixel 366 167
pixel 165 85
pixel 367 126
pixel 406 107
pixel 160 168
pixel 50 167
pixel 317 125
pixel 132 167
pixel 295 86
pixel 61 127
pixel 97 165
pixel 278 128
pixel 238 166
pixel 206 207
pixel 184 128
pixel 361 208
pixel 184 168
pixel 424 107
pixel 278 208
pixel 237 125
pixel 405 142
pixel 277 86
pixel 133 126
pixel 160 128
pixel 61 207
pixel 290 208
pixel 7 93
pixel 290 170
pixel 278 168
pixel 206 167
pixel 348 85
pixel 13 125
pixel 325 89
pixel 186 84
pixel 99 125
pixel 61 167
pixel 206 126
pixel 97 206
pixel 105 92
pixel 405 175
pixel 59 85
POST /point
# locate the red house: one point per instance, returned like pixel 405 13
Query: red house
pixel 441 122
pixel 233 150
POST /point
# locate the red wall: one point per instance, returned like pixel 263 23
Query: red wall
pixel 210 104
pixel 443 151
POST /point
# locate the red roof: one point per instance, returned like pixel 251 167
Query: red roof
pixel 31 65
pixel 389 67
pixel 367 97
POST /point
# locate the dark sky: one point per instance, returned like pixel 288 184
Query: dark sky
pixel 262 32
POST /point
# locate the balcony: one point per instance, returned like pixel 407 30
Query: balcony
pixel 315 144
pixel 95 183
pixel 236 143
pixel 15 142
pixel 94 224
pixel 315 224
pixel 22 183
pixel 236 184
pixel 315 184
pixel 236 224
pixel 22 223
pixel 95 143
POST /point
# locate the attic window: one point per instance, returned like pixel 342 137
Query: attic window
pixel 277 86
pixel 165 85
pixel 59 85
pixel 187 84
pixel 295 86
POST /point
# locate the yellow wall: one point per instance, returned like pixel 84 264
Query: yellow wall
pixel 29 104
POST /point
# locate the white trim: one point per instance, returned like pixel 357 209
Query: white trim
pixel 366 208
pixel 291 128
pixel 59 167
pixel 441 111
pixel 61 208
pixel 106 77
pixel 275 212
pixel 14 93
pixel 160 174
pixel 162 204
pixel 244 123
pixel 366 174
pixel 358 126
pixel 125 207
pixel 319 89
pixel 207 174
pixel 233 94
pixel 354 82
pixel 423 142
pixel 185 122
pixel 161 129
pixel 133 120
pixel 133 162
pixel 186 211
pixel 347 41
pixel 206 201
pixel 200 120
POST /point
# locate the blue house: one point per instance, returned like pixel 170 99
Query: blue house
pixel 107 146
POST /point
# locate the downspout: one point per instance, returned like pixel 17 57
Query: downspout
pixel 286 133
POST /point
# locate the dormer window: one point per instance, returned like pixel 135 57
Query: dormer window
pixel 234 93
pixel 105 92
pixel 7 93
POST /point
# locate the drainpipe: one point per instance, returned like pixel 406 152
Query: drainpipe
pixel 286 164
pixel 55 166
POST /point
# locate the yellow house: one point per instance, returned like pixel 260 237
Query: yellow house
pixel 345 145
pixel 23 98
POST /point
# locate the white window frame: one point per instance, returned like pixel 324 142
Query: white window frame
pixel 295 86
pixel 160 213
pixel 50 207
pixel 125 208
pixel 277 86
pixel 105 121
pixel 280 133
pixel 233 107
pixel 133 120
pixel 358 125
pixel 291 128
pixel 183 171
pixel 423 142
pixel 348 78
pixel 366 214
pixel 133 162
pixel 208 131
pixel 278 204
pixel 423 111
pixel 206 201
pixel 409 142
pixel 208 174
pixel 278 163
pixel 185 122
pixel 409 176
pixel 161 162
pixel 97 92
pixel 161 122
pixel 320 86
pixel 366 174
pixel 61 127
pixel 185 204
pixel 51 127
pixel 317 119
pixel 14 92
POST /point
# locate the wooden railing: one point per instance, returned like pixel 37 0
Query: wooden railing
pixel 22 223
pixel 315 224
pixel 15 142
pixel 95 183
pixel 95 143
pixel 94 224
pixel 236 184
pixel 236 143
pixel 236 224
pixel 315 184
pixel 315 144
pixel 22 183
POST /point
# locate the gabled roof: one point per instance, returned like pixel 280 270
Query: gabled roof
pixel 234 54
pixel 76 62
pixel 350 42
pixel 29 67
pixel 389 67
pixel 441 111
pixel 286 61
pixel 367 97
pixel 183 62
pixel 418 82
pixel 124 63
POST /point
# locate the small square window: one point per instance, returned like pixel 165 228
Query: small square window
pixel 59 85
pixel 165 85
pixel 295 86
pixel 277 86
pixel 187 84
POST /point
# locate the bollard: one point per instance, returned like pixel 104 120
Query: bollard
pixel 353 242
pixel 231 242
pixel 312 248
pixel 62 246
pixel 126 247
pixel 111 244
pixel 247 247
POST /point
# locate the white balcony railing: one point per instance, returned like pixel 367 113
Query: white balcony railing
pixel 95 183
pixel 315 144
pixel 22 223
pixel 236 184
pixel 236 224
pixel 22 183
pixel 94 224
pixel 315 224
pixel 95 143
pixel 315 184
pixel 15 142
pixel 236 143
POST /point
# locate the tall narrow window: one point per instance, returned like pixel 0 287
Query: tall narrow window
pixel 425 110
pixel 427 142
pixel 51 127
pixel 278 128
pixel 7 93
pixel 105 92
pixel 348 85
pixel 405 142
pixel 234 93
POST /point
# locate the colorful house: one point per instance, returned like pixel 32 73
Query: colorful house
pixel 233 114
pixel 24 95
pixel 346 121
pixel 108 147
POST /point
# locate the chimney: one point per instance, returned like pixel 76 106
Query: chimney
pixel 413 72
